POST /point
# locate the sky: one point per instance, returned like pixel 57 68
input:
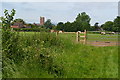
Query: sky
pixel 62 11
pixel 59 0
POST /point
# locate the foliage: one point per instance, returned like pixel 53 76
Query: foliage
pixel 18 21
pixel 116 24
pixel 67 27
pixel 0 24
pixel 51 56
pixel 112 25
pixel 60 26
pixel 6 21
pixel 32 29
pixel 96 26
pixel 108 26
pixel 81 23
pixel 48 24
pixel 27 51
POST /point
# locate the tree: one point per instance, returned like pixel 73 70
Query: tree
pixel 116 24
pixel 48 24
pixel 83 21
pixel 6 21
pixel 92 28
pixel 108 26
pixel 67 27
pixel 96 26
pixel 18 21
pixel 60 26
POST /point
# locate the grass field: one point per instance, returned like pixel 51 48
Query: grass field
pixel 91 37
pixel 48 56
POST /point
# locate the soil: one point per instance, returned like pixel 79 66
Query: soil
pixel 103 43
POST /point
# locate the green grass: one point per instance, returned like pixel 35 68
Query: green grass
pixel 62 58
pixel 89 62
pixel 99 37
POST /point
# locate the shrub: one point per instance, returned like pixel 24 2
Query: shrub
pixel 31 29
pixel 10 46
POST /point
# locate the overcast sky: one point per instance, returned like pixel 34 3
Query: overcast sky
pixel 63 11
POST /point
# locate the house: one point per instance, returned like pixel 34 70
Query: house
pixel 19 25
pixel 14 26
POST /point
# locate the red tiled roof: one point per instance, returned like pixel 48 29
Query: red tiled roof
pixel 15 26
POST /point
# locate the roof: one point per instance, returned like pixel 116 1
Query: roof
pixel 15 26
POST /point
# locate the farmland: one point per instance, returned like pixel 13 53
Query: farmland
pixel 53 49
pixel 95 39
pixel 45 55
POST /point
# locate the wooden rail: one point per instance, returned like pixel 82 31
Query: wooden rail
pixel 78 36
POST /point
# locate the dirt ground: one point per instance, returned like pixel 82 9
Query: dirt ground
pixel 103 43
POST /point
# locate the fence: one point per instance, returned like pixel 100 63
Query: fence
pixel 79 38
pixel 103 40
pixel 93 38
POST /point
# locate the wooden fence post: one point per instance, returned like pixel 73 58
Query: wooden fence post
pixel 77 36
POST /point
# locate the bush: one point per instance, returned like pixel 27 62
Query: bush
pixel 31 29
pixel 11 47
pixel 26 50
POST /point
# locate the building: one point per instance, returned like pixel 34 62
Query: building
pixel 42 20
pixel 19 25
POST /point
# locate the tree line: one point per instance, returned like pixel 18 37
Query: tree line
pixel 82 22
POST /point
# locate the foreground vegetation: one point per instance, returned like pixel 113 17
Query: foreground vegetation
pixel 43 55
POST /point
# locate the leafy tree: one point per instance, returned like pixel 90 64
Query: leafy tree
pixel 108 26
pixel 18 21
pixel 116 24
pixel 92 28
pixel 60 26
pixel 67 27
pixel 6 21
pixel 96 26
pixel 54 27
pixel 83 21
pixel 48 24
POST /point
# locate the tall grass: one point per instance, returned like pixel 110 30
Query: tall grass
pixel 43 55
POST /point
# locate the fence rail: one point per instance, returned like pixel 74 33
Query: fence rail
pixel 86 38
pixel 78 36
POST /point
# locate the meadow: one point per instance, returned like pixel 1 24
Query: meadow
pixel 45 55
pixel 91 37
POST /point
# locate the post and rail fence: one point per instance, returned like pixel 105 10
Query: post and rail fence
pixel 94 38
pixel 79 38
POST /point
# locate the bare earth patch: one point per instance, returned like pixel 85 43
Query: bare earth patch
pixel 103 43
